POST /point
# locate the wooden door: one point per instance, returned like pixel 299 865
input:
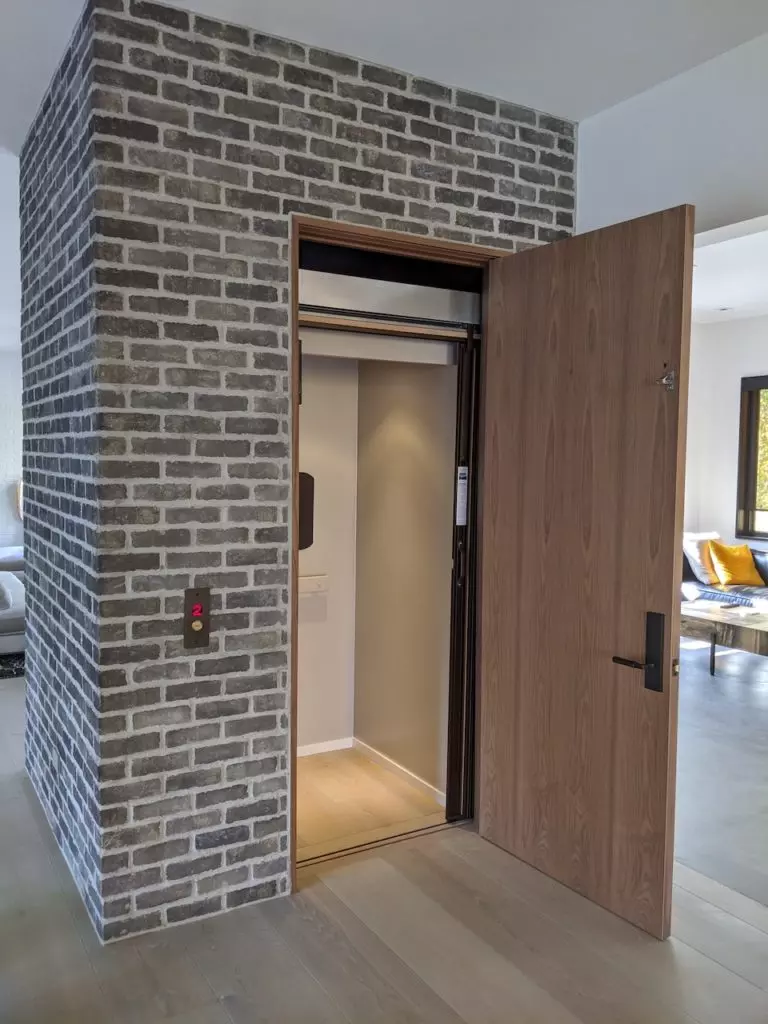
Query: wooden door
pixel 582 490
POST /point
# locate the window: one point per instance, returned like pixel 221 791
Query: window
pixel 752 508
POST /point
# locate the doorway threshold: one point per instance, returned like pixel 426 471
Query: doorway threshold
pixel 373 844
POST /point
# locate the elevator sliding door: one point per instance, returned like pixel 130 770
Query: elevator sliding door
pixel 459 795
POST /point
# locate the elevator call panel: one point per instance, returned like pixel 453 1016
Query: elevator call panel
pixel 197 617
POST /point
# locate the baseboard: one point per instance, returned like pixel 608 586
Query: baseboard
pixel 386 762
pixel 323 748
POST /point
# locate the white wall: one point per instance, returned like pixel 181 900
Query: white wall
pixel 699 138
pixel 10 350
pixel 721 354
pixel 328 450
pixel 11 531
pixel 10 259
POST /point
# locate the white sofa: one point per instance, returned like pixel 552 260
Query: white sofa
pixel 12 560
pixel 12 610
pixel 12 600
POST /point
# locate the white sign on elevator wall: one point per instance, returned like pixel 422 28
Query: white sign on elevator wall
pixel 462 479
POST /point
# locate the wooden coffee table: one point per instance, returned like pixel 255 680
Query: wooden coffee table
pixel 740 629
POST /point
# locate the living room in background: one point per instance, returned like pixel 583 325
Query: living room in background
pixel 722 824
pixel 728 343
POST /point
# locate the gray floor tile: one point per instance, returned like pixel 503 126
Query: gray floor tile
pixel 722 769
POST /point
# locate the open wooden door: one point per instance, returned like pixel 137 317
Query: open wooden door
pixel 583 437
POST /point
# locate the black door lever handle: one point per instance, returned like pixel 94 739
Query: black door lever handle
pixel 642 665
pixel 653 666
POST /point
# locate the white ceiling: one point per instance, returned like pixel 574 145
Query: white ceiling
pixel 730 277
pixel 569 57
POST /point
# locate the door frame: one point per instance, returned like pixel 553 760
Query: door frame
pixel 385 242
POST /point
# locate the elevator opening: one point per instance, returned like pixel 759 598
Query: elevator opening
pixel 385 588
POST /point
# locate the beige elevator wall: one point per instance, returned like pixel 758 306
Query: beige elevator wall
pixel 326 642
pixel 406 440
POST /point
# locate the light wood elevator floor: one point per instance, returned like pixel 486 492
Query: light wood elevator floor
pixel 345 800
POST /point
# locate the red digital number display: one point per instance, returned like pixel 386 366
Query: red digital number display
pixel 197 615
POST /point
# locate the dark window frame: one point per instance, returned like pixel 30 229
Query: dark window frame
pixel 746 495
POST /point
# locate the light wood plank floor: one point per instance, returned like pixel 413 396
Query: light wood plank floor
pixel 344 800
pixel 441 929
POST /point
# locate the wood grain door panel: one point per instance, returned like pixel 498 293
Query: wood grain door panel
pixel 582 513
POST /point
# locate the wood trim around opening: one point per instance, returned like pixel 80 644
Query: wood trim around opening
pixel 398 243
pixel 375 240
pixel 293 591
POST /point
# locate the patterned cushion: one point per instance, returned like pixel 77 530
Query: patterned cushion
pixel 737 594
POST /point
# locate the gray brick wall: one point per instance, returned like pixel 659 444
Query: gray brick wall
pixel 206 138
pixel 60 452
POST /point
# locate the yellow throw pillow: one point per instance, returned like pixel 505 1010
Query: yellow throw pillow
pixel 734 564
